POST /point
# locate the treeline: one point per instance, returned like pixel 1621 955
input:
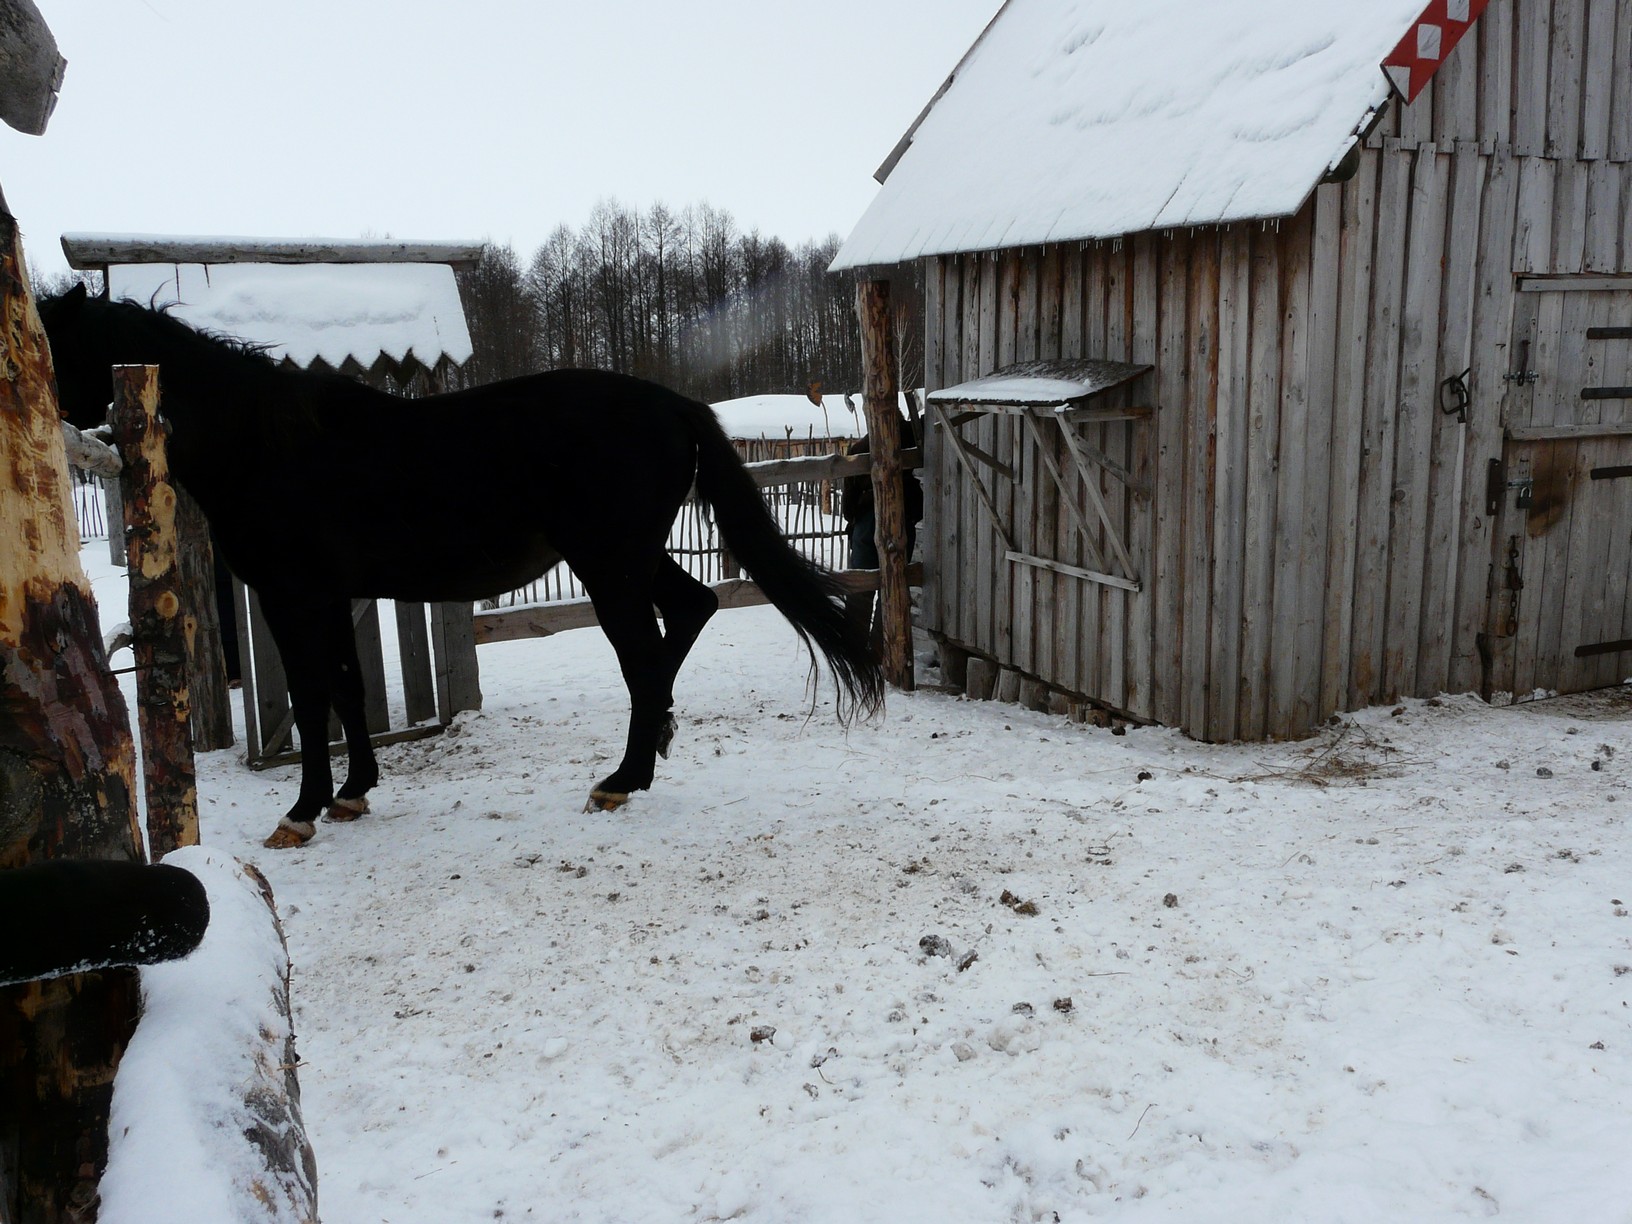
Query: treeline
pixel 683 298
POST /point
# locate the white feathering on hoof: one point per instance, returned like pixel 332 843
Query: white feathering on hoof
pixel 342 811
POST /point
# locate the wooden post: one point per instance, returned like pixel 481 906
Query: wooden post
pixel 206 662
pixel 161 629
pixel 883 409
pixel 67 784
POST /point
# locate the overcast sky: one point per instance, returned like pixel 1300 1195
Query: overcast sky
pixel 495 119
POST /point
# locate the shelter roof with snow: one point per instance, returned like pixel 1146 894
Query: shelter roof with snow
pixel 358 307
pixel 1090 119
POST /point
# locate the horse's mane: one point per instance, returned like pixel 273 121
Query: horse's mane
pixel 286 400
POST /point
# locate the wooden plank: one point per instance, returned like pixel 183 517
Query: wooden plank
pixel 1414 421
pixel 1604 218
pixel 1166 564
pixel 1115 441
pixel 1376 485
pixel 1456 92
pixel 1598 71
pixel 1476 593
pixel 414 650
pixel 1569 217
pixel 986 562
pixel 365 620
pixel 1049 494
pixel 1024 583
pixel 1567 28
pixel 1005 439
pixel 1533 235
pixel 1229 504
pixel 1620 111
pixel 1355 246
pixel 1494 32
pixel 1059 567
pixel 1532 38
pixel 1200 440
pixel 1144 325
pixel 1572 284
pixel 271 685
pixel 1068 619
pixel 936 318
pixel 1093 667
pixel 1589 532
pixel 1296 451
pixel 1446 500
pixel 453 640
pixel 87 251
pixel 1313 532
pixel 1263 441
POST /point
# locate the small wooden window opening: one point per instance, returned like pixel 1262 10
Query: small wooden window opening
pixel 1048 396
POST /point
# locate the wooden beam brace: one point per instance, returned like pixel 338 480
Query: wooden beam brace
pixel 1074 571
pixel 1092 486
pixel 1067 498
pixel 974 477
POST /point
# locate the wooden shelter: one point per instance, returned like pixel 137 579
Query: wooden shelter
pixel 1314 322
pixel 388 313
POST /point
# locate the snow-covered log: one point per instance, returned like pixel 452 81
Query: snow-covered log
pixel 206 1121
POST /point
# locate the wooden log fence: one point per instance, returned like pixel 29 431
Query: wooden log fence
pixel 544 619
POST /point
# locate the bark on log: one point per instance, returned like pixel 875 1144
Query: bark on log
pixel 30 67
pixel 67 779
pixel 162 629
pixel 889 500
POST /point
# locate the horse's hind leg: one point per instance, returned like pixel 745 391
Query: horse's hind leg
pixel 346 691
pixel 623 605
pixel 687 605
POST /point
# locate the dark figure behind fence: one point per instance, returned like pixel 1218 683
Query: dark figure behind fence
pixel 861 524
pixel 487 488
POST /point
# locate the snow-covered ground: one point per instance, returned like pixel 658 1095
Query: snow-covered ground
pixel 964 964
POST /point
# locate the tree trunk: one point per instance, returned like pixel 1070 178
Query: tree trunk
pixel 67 779
pixel 883 410
pixel 162 630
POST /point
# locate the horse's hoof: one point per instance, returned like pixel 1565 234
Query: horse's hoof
pixel 605 801
pixel 344 811
pixel 289 834
pixel 665 737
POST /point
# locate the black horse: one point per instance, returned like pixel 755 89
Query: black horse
pixel 481 491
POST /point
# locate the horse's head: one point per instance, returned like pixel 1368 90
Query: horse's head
pixel 82 354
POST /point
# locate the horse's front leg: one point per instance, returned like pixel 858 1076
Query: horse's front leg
pixel 302 631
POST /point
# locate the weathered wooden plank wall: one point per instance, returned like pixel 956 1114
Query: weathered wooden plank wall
pixel 1312 532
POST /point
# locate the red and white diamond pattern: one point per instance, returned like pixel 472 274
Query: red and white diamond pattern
pixel 1426 44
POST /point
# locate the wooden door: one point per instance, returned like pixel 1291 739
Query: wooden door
pixel 1561 618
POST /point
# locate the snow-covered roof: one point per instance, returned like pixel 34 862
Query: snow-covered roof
pixel 773 416
pixel 309 312
pixel 1084 119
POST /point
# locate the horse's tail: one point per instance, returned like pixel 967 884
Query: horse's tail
pixel 808 595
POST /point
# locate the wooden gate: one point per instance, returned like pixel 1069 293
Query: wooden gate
pixel 1561 496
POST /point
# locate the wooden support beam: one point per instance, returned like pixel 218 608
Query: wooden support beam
pixel 161 628
pixel 883 408
pixel 92 251
pixel 30 67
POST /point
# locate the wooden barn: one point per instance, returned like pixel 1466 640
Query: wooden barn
pixel 1279 353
